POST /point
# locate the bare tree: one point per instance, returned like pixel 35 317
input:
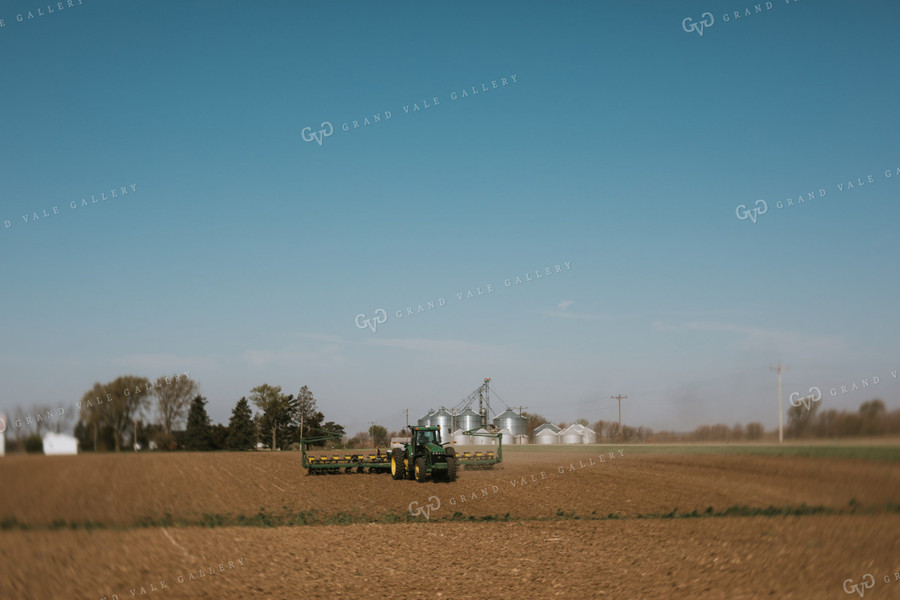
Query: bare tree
pixel 173 397
pixel 23 424
pixel 755 431
pixel 115 404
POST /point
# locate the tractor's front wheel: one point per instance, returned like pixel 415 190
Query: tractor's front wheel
pixel 421 475
pixel 398 467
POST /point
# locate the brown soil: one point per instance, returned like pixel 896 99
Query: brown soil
pixel 760 557
pixel 719 557
pixel 122 489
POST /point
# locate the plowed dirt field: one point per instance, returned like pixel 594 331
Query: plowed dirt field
pixel 542 524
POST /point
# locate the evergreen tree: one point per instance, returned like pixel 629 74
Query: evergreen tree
pixel 218 435
pixel 198 435
pixel 241 430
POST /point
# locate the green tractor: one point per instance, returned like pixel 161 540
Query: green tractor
pixel 424 455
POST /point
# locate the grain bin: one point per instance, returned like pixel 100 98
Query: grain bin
pixel 482 440
pixel 444 420
pixel 506 436
pixel 572 434
pixel 461 438
pixel 426 420
pixel 511 421
pixel 546 436
pixel 468 420
pixel 544 426
pixel 589 436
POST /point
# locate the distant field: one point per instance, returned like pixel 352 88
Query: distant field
pixel 886 452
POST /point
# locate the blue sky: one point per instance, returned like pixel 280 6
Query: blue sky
pixel 624 146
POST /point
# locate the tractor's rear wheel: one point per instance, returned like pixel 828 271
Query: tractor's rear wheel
pixel 451 456
pixel 421 475
pixel 398 468
pixel 451 469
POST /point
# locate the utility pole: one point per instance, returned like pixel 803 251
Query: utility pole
pixel 779 368
pixel 521 408
pixel 620 397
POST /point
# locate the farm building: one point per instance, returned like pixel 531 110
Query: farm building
pixel 2 434
pixel 60 443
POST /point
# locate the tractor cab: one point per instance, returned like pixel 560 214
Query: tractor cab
pixel 428 436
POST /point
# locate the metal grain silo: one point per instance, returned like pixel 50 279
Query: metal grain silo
pixel 444 420
pixel 468 420
pixel 460 438
pixel 482 440
pixel 572 435
pixel 426 420
pixel 506 436
pixel 546 436
pixel 589 436
pixel 511 421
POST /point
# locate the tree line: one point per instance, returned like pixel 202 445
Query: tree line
pixel 139 413
pixel 872 419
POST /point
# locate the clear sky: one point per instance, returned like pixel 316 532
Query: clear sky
pixel 624 143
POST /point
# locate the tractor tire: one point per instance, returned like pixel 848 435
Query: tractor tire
pixel 451 469
pixel 445 475
pixel 421 474
pixel 398 468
